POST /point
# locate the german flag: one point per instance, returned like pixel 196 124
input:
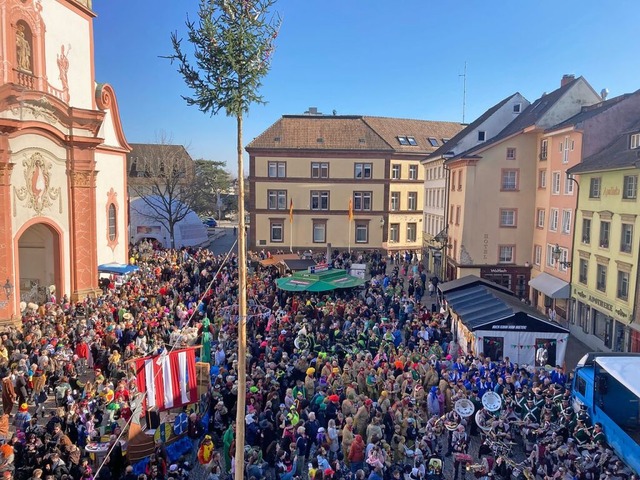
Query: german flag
pixel 291 211
pixel 350 209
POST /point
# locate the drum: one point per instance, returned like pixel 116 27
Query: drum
pixel 464 407
pixel 491 401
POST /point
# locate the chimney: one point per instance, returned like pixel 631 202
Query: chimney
pixel 312 111
pixel 567 78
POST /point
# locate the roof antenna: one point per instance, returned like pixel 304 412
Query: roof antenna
pixel 464 91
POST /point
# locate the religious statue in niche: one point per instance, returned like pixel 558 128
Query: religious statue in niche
pixel 37 190
pixel 23 49
pixel 63 66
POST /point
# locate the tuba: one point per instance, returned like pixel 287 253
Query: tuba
pixel 464 407
pixel 482 421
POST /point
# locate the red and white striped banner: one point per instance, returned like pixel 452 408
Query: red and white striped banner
pixel 169 380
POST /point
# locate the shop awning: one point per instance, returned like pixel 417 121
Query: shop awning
pixel 117 268
pixel 319 282
pixel 551 286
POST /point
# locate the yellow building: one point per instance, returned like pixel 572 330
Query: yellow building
pixel 305 171
pixel 605 259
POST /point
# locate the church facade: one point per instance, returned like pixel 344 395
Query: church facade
pixel 63 183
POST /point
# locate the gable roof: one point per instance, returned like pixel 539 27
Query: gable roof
pixel 617 155
pixel 300 132
pixel 470 128
pixel 329 132
pixel 529 117
pixel 153 151
pixel 590 111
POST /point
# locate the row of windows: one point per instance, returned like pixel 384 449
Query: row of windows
pixel 434 197
pixel 319 232
pixel 622 290
pixel 396 172
pixel 321 170
pixel 626 234
pixel 629 187
pixel 556 182
pixel 434 173
pixel 554 217
pixel 550 261
pixel 565 146
pixel 407 140
pixel 362 201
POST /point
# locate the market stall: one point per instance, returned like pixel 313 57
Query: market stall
pixel 487 319
pixel 319 279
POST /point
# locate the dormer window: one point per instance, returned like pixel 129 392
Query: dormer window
pixel 482 135
pixel 517 107
pixel 635 140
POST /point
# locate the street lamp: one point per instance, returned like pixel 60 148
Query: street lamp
pixel 8 288
pixel 556 254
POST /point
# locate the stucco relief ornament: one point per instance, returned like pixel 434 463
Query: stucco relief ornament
pixel 37 190
pixel 465 258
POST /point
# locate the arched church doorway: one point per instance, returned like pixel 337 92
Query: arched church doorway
pixel 39 263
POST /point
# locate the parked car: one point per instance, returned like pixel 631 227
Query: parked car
pixel 210 222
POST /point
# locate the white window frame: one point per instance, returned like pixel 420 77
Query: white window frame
pixel 544 149
pixel 322 169
pixel 549 255
pixel 412 201
pixel 277 196
pixel 565 150
pixel 600 268
pixel 568 184
pixel 555 183
pixel 537 254
pixel 542 178
pixel 511 153
pixel 412 232
pixel 413 172
pixel 362 227
pixel 630 187
pixel 554 215
pixel 541 217
pixel 601 234
pixel 394 201
pixel 507 214
pixel 320 195
pixel 364 198
pixel 506 180
pixel 394 233
pixel 280 169
pixel 276 226
pixel 364 168
pixel 566 221
pixel 319 227
pixel 583 237
pixel 504 249
pixel 396 171
pixel 634 141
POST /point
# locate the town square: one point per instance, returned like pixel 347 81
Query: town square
pixel 340 240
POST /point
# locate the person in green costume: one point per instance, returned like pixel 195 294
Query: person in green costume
pixel 227 440
pixel 205 351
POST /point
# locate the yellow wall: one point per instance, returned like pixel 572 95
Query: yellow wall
pixel 623 211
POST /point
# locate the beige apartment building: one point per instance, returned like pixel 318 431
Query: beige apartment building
pixel 307 170
pixel 492 192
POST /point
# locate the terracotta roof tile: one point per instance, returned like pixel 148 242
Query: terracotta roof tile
pixel 324 132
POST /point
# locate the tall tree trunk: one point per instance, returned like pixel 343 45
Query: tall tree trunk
pixel 242 313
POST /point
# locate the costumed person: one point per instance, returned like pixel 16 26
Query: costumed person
pixel 205 452
pixel 205 351
pixel 227 441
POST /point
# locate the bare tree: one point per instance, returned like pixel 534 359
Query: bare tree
pixel 161 175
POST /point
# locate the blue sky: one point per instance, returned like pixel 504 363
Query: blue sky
pixel 395 58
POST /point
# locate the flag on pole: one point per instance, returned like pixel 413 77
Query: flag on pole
pixel 350 209
pixel 169 380
pixel 291 211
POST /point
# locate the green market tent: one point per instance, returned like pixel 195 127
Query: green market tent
pixel 319 281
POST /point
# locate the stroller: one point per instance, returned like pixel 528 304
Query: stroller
pixel 435 466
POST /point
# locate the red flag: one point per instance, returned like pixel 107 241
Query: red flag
pixel 169 380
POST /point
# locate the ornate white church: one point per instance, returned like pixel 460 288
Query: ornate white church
pixel 63 184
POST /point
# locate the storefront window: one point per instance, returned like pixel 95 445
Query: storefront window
pixel 603 328
pixel 619 338
pixel 583 317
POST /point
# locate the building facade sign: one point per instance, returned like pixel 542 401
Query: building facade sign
pixel 615 311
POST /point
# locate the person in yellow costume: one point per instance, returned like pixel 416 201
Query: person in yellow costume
pixel 205 452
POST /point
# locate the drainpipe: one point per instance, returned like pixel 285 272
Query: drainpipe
pixel 446 216
pixel 570 312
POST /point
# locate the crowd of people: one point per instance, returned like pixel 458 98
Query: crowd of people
pixel 354 384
